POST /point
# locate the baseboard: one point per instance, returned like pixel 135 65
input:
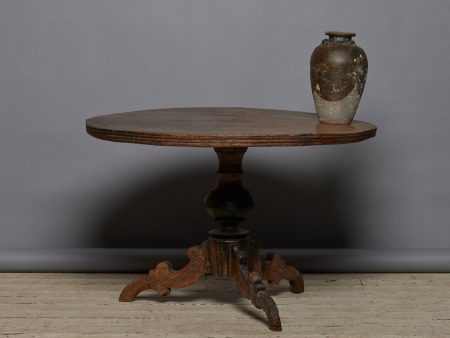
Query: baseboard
pixel 140 260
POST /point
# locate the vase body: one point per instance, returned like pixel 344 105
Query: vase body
pixel 338 75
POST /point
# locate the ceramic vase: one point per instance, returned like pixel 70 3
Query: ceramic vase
pixel 338 76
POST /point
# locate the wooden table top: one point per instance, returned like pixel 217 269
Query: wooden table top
pixel 224 127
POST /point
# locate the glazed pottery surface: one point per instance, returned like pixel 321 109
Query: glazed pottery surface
pixel 338 76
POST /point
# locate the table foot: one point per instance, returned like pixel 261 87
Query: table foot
pixel 275 269
pixel 250 285
pixel 163 278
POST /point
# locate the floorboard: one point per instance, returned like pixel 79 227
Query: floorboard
pixel 334 305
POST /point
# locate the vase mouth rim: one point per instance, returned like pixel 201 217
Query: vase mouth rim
pixel 340 34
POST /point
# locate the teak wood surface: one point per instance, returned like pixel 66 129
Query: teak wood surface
pixel 229 251
pixel 224 127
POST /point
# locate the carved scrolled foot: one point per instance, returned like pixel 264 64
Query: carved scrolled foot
pixel 163 278
pixel 275 269
pixel 251 287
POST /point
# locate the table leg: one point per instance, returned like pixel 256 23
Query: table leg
pixel 250 285
pixel 275 269
pixel 163 278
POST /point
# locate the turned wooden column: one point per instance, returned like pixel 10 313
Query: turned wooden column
pixel 228 203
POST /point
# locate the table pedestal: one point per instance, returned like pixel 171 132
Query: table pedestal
pixel 229 251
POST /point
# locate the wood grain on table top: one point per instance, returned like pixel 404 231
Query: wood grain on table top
pixel 224 127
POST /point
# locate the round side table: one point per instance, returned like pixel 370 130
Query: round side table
pixel 229 251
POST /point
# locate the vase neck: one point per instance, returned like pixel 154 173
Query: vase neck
pixel 339 36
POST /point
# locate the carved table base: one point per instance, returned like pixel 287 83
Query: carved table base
pixel 247 271
pixel 229 252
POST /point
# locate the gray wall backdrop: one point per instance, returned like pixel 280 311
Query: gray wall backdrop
pixel 62 192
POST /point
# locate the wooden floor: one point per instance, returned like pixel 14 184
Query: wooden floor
pixel 85 305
